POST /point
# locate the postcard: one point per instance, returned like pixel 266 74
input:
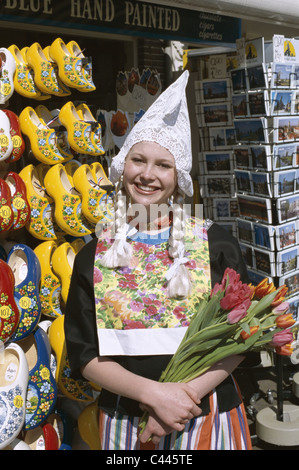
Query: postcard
pixel 284 182
pixel 218 161
pixel 225 208
pixel 222 137
pixel 255 208
pixel 281 102
pixel 256 277
pixel 254 51
pixel 243 181
pixel 247 254
pixel 216 114
pixel 264 261
pixel 258 103
pixel 284 155
pixel 242 156
pixel 287 208
pixel 239 80
pixel 229 226
pixel 244 230
pixel 285 129
pixel 219 185
pixel 257 77
pixel 291 281
pixel 287 261
pixel 251 130
pixel 264 236
pixel 240 105
pixel 215 90
pixel 261 185
pixel 261 157
pixel 286 235
pixel 282 75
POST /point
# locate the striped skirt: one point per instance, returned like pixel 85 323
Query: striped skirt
pixel 216 431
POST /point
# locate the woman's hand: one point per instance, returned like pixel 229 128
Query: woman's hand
pixel 170 407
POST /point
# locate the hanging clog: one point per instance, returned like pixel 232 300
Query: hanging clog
pixel 86 71
pixel 78 131
pixel 68 212
pixel 19 201
pixel 16 136
pixel 42 390
pixel 6 210
pixel 96 132
pixel 9 312
pixel 69 66
pixel 63 89
pixel 43 140
pixel 14 376
pixel 63 424
pixel 107 201
pixel 7 75
pixel 41 96
pixel 77 390
pixel 93 196
pixel 23 78
pixel 88 425
pixel 62 262
pixel 44 73
pixel 50 285
pixel 27 273
pixel 43 437
pixel 6 144
pixel 40 224
pixel 50 119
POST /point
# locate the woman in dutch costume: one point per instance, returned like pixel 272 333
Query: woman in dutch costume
pixel 134 290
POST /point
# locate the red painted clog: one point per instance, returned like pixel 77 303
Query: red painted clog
pixel 19 202
pixel 16 136
pixel 6 211
pixel 9 312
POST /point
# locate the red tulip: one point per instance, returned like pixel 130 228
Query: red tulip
pixel 285 350
pixel 263 288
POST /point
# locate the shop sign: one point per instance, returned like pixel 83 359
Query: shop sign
pixel 125 17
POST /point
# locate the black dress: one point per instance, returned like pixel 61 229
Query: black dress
pixel 81 332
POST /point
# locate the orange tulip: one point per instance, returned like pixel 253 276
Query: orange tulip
pixel 280 297
pixel 285 350
pixel 285 321
pixel 264 288
pixel 253 329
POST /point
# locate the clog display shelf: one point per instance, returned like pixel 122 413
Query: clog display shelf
pixel 54 189
pixel 248 119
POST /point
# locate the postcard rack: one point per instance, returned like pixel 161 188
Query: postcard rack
pixel 247 113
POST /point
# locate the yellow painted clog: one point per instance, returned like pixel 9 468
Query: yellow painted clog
pixel 96 131
pixel 68 212
pixel 78 131
pixel 23 78
pixel 93 197
pixel 62 263
pixel 44 73
pixel 77 390
pixel 86 70
pixel 41 96
pixel 51 120
pixel 88 425
pixel 69 66
pixel 50 285
pixel 40 224
pixel 107 202
pixel 43 140
pixel 63 89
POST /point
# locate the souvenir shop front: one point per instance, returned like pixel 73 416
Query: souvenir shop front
pixel 74 78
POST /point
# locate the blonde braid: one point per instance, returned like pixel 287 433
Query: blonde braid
pixel 179 282
pixel 120 252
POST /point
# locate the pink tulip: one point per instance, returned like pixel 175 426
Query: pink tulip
pixel 237 314
pixel 281 338
pixel 281 308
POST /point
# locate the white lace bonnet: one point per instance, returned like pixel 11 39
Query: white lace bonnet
pixel 167 123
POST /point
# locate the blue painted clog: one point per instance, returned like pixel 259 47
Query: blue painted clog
pixel 14 376
pixel 42 389
pixel 27 273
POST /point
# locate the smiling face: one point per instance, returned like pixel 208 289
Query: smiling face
pixel 150 175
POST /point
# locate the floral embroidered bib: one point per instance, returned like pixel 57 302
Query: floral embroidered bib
pixel 134 314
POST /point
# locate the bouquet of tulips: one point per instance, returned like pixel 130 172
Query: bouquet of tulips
pixel 234 319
